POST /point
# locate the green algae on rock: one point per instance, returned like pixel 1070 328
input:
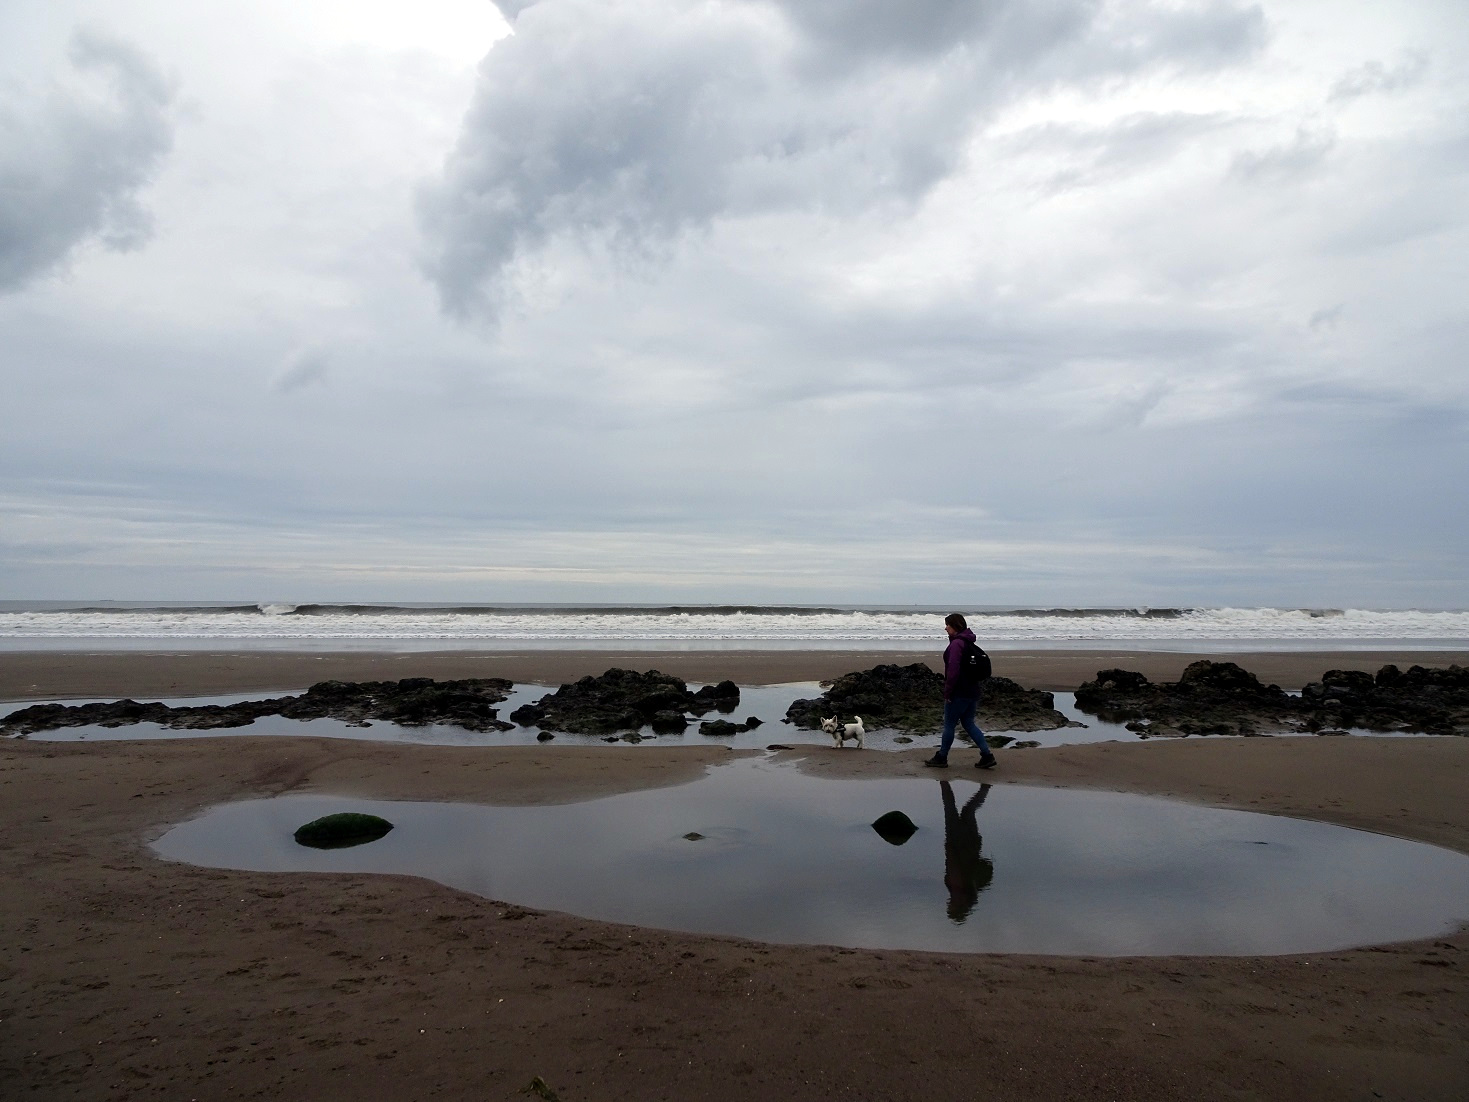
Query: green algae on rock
pixel 346 828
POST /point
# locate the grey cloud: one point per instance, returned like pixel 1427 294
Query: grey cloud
pixel 71 167
pixel 510 9
pixel 629 125
pixel 1303 154
pixel 301 369
pixel 1091 155
pixel 1374 77
pixel 1327 318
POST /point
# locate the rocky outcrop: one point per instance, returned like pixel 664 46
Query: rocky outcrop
pixel 1431 701
pixel 1211 698
pixel 911 699
pixel 411 702
pixel 625 700
pixel 1220 698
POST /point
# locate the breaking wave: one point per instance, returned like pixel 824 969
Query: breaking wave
pixel 750 625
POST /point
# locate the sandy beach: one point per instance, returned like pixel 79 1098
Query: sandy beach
pixel 126 976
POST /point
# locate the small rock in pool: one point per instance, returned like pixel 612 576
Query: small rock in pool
pixel 693 836
pixel 894 827
pixel 346 828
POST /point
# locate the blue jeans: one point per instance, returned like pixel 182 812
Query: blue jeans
pixel 959 711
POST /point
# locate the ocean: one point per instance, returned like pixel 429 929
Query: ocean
pixel 60 625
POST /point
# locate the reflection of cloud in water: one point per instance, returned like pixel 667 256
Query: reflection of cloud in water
pixel 792 858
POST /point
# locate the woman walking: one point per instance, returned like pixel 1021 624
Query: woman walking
pixel 963 685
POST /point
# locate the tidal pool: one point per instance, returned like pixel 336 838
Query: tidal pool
pixel 767 702
pixel 759 850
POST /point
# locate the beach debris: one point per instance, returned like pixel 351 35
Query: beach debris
pixel 538 1087
pixel 910 699
pixel 411 702
pixel 343 829
pixel 1221 698
pixel 625 700
pixel 894 827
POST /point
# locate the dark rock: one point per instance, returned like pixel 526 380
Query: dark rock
pixel 693 836
pixel 723 697
pixel 1430 700
pixel 999 740
pixel 911 699
pixel 625 700
pixel 412 702
pixel 1220 698
pixel 894 827
pixel 346 828
pixel 720 727
pixel 1211 698
pixel 1024 744
pixel 544 736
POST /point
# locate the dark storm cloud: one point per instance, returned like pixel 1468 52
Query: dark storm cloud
pixel 628 125
pixel 72 163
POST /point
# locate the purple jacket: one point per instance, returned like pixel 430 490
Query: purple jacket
pixel 952 657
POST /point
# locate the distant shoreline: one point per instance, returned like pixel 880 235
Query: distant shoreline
pixel 74 674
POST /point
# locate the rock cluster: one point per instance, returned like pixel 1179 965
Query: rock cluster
pixel 911 699
pixel 1211 698
pixel 411 702
pixel 1433 701
pixel 1220 698
pixel 625 700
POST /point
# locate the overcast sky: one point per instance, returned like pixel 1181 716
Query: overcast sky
pixel 1036 301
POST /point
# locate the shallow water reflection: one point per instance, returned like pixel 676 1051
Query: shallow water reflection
pixel 784 857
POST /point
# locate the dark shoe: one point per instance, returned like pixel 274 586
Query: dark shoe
pixel 986 761
pixel 937 762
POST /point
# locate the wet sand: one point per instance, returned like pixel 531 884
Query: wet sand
pixel 125 976
pixel 52 675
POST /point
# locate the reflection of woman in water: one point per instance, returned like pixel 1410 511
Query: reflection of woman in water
pixel 966 873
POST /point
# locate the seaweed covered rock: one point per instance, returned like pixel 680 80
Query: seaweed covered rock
pixel 345 828
pixel 1211 698
pixel 911 699
pixel 625 700
pixel 1428 700
pixel 412 702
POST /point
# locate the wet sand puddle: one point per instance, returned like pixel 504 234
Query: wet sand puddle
pixel 762 851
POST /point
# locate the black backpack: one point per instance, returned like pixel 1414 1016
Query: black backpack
pixel 974 669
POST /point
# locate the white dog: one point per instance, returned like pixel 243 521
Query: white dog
pixel 840 733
